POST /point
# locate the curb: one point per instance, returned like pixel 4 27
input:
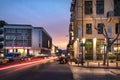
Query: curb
pixel 115 72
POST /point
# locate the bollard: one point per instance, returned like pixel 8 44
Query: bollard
pixel 87 63
pixel 107 63
pixel 98 64
pixel 78 64
pixel 116 63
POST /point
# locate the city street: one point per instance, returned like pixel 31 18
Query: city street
pixel 48 71
pixel 56 71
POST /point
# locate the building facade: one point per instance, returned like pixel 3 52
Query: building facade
pixel 43 42
pixel 26 39
pixel 87 23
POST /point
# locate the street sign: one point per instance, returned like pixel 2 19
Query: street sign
pixel 82 44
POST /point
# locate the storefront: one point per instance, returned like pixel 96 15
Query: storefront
pixel 89 49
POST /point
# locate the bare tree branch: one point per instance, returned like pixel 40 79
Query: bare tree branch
pixel 104 31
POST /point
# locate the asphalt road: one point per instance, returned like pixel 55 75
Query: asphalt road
pixel 56 71
pixel 49 71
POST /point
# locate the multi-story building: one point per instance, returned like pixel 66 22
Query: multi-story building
pixel 54 50
pixel 41 40
pixel 87 23
pixel 26 39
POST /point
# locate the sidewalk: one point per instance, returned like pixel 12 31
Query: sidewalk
pixel 113 67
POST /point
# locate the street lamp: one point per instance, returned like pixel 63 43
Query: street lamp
pixel 82 33
pixel 83 42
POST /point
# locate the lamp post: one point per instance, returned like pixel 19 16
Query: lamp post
pixel 82 35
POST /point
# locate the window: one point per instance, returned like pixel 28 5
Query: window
pixel 116 7
pixel 100 6
pixel 117 29
pixel 100 28
pixel 88 7
pixel 88 28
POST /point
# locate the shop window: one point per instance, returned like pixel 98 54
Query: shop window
pixel 89 49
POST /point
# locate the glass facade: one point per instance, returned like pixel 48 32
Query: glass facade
pixel 17 37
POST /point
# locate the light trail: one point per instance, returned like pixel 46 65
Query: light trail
pixel 17 69
pixel 29 63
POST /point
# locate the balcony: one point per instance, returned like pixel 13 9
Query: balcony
pixel 72 5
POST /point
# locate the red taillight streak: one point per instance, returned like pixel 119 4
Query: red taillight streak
pixel 17 65
pixel 26 65
pixel 17 69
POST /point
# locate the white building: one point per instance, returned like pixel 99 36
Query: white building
pixel 26 39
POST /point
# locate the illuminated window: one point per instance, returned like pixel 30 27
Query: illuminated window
pixel 72 34
pixel 72 38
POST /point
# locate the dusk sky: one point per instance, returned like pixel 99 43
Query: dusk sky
pixel 53 15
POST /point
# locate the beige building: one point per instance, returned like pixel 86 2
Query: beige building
pixel 88 19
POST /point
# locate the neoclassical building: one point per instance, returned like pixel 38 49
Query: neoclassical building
pixel 87 23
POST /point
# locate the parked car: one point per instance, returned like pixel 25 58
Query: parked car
pixel 3 60
pixel 13 56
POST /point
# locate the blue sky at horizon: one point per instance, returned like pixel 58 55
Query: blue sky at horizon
pixel 53 15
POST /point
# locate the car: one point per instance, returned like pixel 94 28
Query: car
pixel 3 60
pixel 13 56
